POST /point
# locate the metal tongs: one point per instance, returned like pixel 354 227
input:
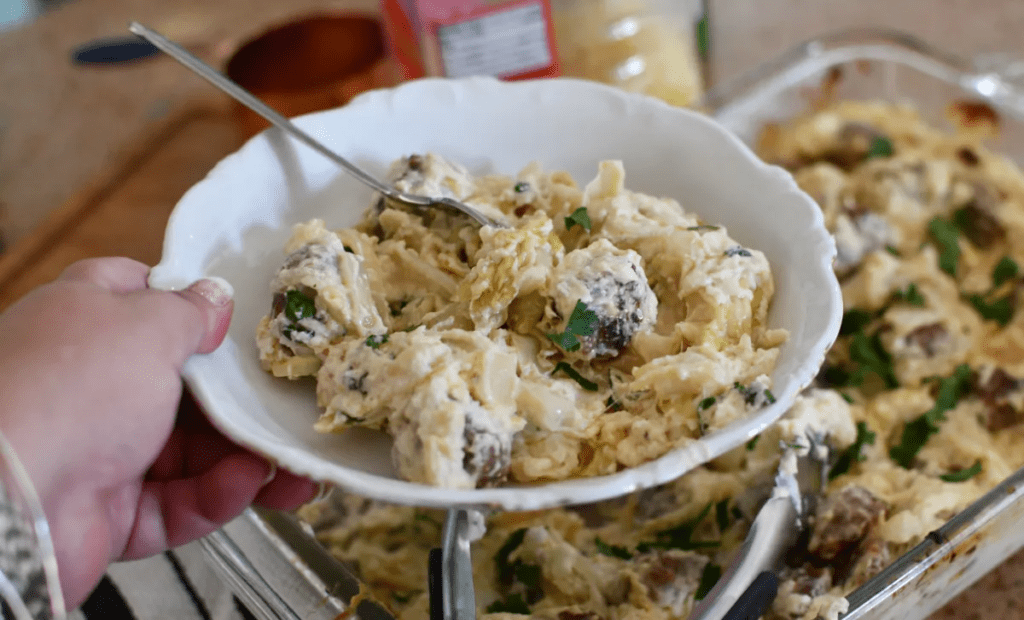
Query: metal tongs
pixel 751 583
pixel 450 573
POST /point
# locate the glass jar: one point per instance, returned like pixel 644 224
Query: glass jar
pixel 645 46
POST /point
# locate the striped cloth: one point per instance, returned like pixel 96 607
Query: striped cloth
pixel 174 585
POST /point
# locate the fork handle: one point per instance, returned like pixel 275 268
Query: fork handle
pixel 250 101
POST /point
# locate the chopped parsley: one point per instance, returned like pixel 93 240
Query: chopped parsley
pixel 514 604
pixel 375 341
pixel 706 403
pixel 702 227
pixel 871 358
pixel 612 405
pixel 402 598
pixel 1005 270
pixel 681 536
pixel 753 443
pixel 506 572
pixel 298 306
pixel 612 550
pixel 946 235
pixel 909 295
pixel 846 397
pixel 517 571
pixel 999 310
pixel 722 515
pixel 582 322
pixel 348 249
pixel 738 251
pixel 962 474
pixel 880 147
pixel 853 452
pixel 521 187
pixel 917 432
pixel 712 573
pixel 855 320
pixel 891 249
pixel 585 383
pixel 580 217
pixel 751 393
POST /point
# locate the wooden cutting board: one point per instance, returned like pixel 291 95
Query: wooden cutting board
pixel 123 213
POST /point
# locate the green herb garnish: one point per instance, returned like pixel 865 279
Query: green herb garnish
pixel 854 452
pixel 505 569
pixel 612 550
pixel 706 403
pixel 753 443
pixel 768 396
pixel 722 515
pixel 578 217
pixel 854 321
pixel 846 397
pixel 891 249
pixel 1005 270
pixel 582 322
pixel 963 474
pixel 612 405
pixel 375 341
pixel 910 295
pixel 702 227
pixel 712 573
pixel 871 357
pixel 681 536
pixel 521 187
pixel 947 237
pixel 297 306
pixel 999 310
pixel 880 147
pixel 585 383
pixel 514 604
pixel 917 432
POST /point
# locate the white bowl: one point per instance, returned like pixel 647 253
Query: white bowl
pixel 235 222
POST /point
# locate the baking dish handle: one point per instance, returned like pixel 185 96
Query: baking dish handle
pixel 998 78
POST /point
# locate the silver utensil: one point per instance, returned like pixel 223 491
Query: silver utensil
pixel 775 529
pixel 457 595
pixel 275 118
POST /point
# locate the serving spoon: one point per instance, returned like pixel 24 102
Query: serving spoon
pixel 277 119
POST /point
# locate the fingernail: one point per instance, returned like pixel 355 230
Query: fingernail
pixel 215 290
pixel 270 475
pixel 321 492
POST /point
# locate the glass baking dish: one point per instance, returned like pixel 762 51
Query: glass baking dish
pixel 275 566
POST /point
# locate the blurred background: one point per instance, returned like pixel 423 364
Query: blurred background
pixel 64 124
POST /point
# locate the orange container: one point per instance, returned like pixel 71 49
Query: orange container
pixel 314 63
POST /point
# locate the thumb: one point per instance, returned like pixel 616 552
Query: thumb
pixel 214 297
pixel 192 320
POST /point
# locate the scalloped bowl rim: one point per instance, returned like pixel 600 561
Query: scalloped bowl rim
pixel 186 258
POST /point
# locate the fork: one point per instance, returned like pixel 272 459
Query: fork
pixel 277 119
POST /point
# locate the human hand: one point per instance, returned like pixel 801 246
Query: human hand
pixel 89 398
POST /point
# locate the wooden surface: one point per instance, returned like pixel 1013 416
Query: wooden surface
pixel 125 211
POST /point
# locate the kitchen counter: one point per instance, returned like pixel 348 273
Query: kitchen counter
pixel 62 126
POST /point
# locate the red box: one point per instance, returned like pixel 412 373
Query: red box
pixel 508 39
